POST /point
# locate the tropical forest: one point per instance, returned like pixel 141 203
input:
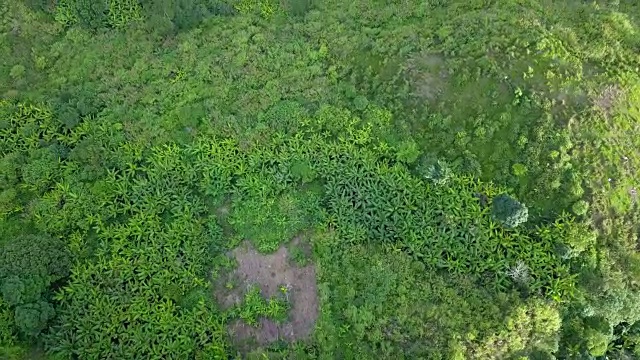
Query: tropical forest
pixel 319 179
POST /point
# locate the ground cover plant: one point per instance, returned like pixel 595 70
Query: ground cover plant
pixel 318 179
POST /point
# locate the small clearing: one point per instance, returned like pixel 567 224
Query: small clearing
pixel 427 73
pixel 270 272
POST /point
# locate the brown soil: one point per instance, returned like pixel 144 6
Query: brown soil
pixel 269 273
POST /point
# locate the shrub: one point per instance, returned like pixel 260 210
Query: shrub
pixel 580 207
pixel 575 239
pixel 123 12
pixel 17 72
pixel 39 173
pixel 303 171
pixel 17 291
pixel 298 7
pixel 596 342
pixel 10 170
pixel 408 152
pixel 183 14
pixel 9 348
pixel 29 265
pixel 519 170
pixel 8 202
pixel 90 13
pixel 32 318
pixel 509 211
pixel 360 102
pixel 439 173
pixel 255 306
pixel 34 256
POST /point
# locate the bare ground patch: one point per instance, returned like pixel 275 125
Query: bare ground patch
pixel 608 98
pixel 427 74
pixel 270 272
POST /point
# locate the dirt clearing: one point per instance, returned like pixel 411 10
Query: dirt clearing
pixel 270 272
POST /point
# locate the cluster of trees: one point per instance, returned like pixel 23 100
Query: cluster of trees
pixel 168 15
pixel 144 233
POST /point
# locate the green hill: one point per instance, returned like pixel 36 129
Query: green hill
pixel 319 179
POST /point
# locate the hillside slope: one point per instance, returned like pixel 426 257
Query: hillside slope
pixel 454 179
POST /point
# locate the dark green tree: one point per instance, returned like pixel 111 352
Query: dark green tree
pixel 32 318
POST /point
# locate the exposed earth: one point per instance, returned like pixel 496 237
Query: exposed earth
pixel 270 272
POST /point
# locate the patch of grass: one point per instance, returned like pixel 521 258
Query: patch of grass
pixel 298 256
pixel 254 306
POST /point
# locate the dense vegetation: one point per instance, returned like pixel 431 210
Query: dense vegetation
pixel 464 170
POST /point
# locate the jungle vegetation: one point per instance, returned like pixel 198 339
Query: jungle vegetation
pixel 464 170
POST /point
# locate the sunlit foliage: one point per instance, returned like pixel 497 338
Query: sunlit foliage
pixel 142 140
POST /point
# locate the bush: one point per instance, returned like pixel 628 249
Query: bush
pixel 17 72
pixel 90 13
pixel 439 173
pixel 10 170
pixel 509 211
pixel 408 152
pixel 28 256
pixel 255 307
pixel 32 318
pixel 9 348
pixel 184 14
pixel 29 265
pixel 589 336
pixel 360 103
pixel 17 291
pixel 580 207
pixel 39 173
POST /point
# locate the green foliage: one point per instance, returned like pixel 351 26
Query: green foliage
pixel 439 173
pixel 29 266
pixel 119 14
pixel 298 256
pixel 509 211
pixel 408 152
pixel 627 341
pixel 9 171
pixel 39 174
pixel 32 255
pixel 298 7
pixel 17 71
pixel 381 300
pixel 92 14
pixel 123 12
pixel 32 318
pixel 9 348
pixel 577 239
pixel 580 207
pixel 360 103
pixel 132 132
pixel 255 306
pixel 145 266
pixel 185 14
pixel 519 170
pixel 154 228
pixel 18 291
pixel 265 216
pixel 590 337
pixel 96 14
pixel 265 8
